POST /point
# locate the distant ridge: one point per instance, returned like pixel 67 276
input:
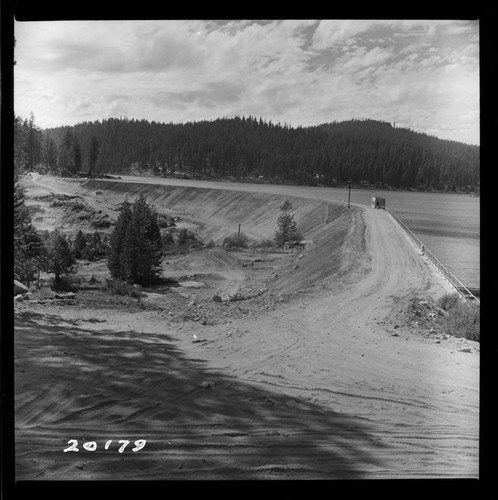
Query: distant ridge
pixel 364 151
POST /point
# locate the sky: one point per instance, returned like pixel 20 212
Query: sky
pixel 420 74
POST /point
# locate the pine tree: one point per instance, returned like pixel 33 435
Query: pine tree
pixel 79 244
pixel 142 244
pixel 287 229
pixel 64 156
pixel 49 154
pixel 33 142
pixel 20 150
pixel 69 158
pixel 135 244
pixel 93 155
pixel 333 153
pixel 59 255
pixel 29 250
pixel 76 153
pixel 115 262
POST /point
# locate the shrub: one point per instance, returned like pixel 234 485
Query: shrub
pixel 448 301
pixel 266 243
pixel 165 221
pixel 136 293
pixel 187 239
pixel 94 249
pixel 88 253
pixel 167 240
pixel 183 238
pixel 62 284
pixel 236 241
pixel 463 318
pixel 121 287
pixel 101 222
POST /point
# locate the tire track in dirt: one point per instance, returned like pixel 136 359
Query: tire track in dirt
pixel 233 276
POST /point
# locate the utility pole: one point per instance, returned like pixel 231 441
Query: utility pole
pixel 349 196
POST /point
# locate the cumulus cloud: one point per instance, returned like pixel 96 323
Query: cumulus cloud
pixel 303 72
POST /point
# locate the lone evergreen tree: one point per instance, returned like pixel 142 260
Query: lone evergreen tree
pixel 135 244
pixel 287 230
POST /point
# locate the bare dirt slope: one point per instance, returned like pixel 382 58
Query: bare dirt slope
pixel 311 379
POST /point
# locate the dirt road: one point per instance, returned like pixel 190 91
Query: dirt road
pixel 417 401
pixel 325 386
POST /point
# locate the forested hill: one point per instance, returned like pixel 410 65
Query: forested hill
pixel 364 151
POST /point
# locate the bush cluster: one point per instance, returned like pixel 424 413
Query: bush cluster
pixel 184 241
pixel 462 318
pixel 236 240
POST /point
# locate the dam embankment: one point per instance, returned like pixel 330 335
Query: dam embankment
pixel 334 235
pixel 219 212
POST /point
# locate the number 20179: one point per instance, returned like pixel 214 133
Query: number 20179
pixel 92 445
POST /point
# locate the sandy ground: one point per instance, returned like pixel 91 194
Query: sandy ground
pixel 322 382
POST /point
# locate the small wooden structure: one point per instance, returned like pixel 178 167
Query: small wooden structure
pixel 378 202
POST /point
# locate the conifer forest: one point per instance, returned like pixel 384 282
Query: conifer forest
pixel 251 149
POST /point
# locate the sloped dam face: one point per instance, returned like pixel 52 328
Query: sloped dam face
pixel 218 213
pixel 334 234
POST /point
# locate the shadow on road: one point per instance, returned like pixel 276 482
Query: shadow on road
pixel 72 382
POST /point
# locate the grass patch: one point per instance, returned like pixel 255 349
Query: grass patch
pixel 264 243
pixel 462 318
pixel 121 287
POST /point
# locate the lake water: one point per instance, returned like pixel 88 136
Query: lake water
pixel 448 224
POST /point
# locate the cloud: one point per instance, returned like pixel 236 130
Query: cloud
pixel 303 72
pixel 331 32
pixel 362 57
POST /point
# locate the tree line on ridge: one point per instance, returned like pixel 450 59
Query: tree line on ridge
pixel 246 148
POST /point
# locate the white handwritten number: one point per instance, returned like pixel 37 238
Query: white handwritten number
pixel 90 446
pixel 139 445
pixel 73 447
pixel 125 444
